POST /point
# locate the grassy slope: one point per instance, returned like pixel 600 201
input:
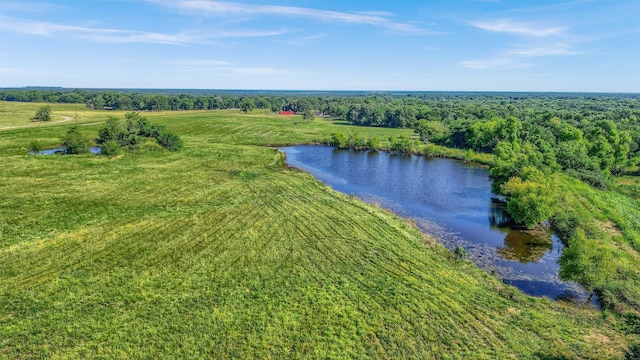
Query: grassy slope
pixel 613 219
pixel 221 251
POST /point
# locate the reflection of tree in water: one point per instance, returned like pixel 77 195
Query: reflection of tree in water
pixel 498 215
pixel 525 247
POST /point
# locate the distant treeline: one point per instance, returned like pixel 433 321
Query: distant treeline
pixel 591 136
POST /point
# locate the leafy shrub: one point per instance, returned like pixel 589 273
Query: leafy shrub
pixel 593 178
pixel 43 114
pixel 565 223
pixel 460 252
pixel 111 131
pixel 74 142
pixel 35 146
pixel 373 143
pixel 170 141
pixel 339 139
pixel 401 144
pixel 110 148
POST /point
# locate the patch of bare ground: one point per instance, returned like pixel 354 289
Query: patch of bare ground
pixel 609 227
pixel 33 124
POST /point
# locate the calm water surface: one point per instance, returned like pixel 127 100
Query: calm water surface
pixel 94 150
pixel 450 200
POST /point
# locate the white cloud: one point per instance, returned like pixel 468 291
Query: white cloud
pixel 517 58
pixel 558 49
pixel 205 65
pixel 519 28
pixel 105 35
pixel 212 7
pixel 31 6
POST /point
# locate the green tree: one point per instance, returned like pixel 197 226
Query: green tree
pixel 43 114
pixel 531 199
pixel 247 104
pixel 308 115
pixel 74 142
pixel 431 130
pixel 111 131
pixel 512 158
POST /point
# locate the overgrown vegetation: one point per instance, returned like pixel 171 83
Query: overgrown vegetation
pixel 133 133
pixel 74 142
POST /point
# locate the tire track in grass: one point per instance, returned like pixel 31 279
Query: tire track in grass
pixel 241 233
pixel 460 316
pixel 336 235
pixel 220 218
pixel 296 232
pixel 340 208
pixel 195 249
pixel 77 257
pixel 97 255
pixel 356 302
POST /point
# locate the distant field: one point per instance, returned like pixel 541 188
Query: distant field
pixel 220 251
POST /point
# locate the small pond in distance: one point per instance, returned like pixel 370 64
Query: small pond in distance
pixel 450 200
pixel 94 150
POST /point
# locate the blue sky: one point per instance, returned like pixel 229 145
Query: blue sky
pixel 457 45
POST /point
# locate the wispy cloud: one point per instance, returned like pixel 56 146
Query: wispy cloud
pixel 500 62
pixel 106 35
pixel 302 41
pixel 554 50
pixel 200 65
pixel 519 28
pixel 519 58
pixel 30 7
pixel 212 7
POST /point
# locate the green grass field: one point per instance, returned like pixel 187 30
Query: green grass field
pixel 220 251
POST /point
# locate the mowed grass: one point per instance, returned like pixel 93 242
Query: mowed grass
pixel 18 115
pixel 220 251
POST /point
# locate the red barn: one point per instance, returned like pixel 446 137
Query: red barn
pixel 287 112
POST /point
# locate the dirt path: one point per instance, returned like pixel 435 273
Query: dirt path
pixel 34 124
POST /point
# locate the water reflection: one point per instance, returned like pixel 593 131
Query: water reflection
pixel 524 247
pixel 498 215
pixel 450 200
pixel 94 150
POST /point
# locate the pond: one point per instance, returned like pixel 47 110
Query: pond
pixel 450 200
pixel 94 150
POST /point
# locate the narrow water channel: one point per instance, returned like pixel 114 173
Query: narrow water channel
pixel 450 200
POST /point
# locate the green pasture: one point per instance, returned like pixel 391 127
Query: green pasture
pixel 221 251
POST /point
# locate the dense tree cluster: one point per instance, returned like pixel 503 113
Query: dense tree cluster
pixel 132 133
